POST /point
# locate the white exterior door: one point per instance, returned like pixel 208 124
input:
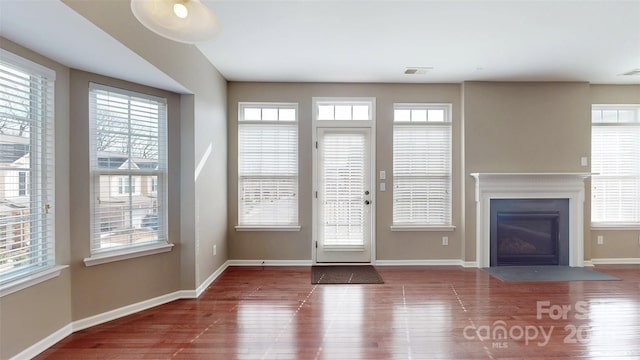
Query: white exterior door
pixel 344 209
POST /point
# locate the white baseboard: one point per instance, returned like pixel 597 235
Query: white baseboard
pixel 114 314
pixel 470 264
pixel 616 261
pixel 432 262
pixel 210 280
pixel 587 263
pixel 123 311
pixel 42 345
pixel 269 262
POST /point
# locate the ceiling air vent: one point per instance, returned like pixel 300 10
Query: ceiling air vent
pixel 417 70
pixel 634 72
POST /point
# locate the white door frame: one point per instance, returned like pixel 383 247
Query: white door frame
pixel 371 124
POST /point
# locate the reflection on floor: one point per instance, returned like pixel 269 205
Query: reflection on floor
pixel 419 313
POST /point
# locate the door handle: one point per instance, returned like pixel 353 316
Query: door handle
pixel 367 202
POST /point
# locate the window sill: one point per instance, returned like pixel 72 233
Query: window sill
pixel 31 280
pixel 614 227
pixel 421 228
pixel 127 253
pixel 267 228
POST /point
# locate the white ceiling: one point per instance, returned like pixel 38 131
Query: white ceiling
pixel 366 41
pixel 374 41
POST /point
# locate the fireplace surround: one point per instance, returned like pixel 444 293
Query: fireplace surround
pixel 567 186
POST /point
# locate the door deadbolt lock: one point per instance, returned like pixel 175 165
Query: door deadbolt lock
pixel 366 192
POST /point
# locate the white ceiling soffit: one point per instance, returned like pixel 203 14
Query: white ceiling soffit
pixel 376 41
pixel 51 28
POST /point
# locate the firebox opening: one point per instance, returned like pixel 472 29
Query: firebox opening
pixel 525 238
pixel 529 232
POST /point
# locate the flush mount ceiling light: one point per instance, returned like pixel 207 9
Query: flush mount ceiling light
pixel 187 21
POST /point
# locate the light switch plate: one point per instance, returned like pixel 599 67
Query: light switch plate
pixel 383 186
pixel 383 175
pixel 584 161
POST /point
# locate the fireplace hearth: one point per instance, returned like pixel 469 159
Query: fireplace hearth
pixel 529 232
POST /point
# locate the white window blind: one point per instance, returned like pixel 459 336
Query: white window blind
pixel 343 158
pixel 267 164
pixel 615 157
pixel 421 165
pixel 26 167
pixel 128 156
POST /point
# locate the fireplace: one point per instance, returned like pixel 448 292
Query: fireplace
pixel 529 232
pixel 568 187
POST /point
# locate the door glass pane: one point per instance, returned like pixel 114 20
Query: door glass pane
pixel 343 167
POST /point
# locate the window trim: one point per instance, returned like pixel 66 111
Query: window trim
pixel 612 225
pixel 31 279
pixel 422 228
pixel 288 123
pixel 448 121
pixel 43 146
pixel 128 251
pixel 268 228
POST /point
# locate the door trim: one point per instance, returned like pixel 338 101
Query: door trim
pixel 371 124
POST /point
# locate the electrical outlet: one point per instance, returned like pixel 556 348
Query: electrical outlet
pixel 600 239
pixel 445 240
pixel 215 250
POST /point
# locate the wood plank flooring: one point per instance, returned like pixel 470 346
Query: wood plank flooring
pixel 419 313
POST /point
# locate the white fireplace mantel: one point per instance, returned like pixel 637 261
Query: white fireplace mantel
pixel 530 186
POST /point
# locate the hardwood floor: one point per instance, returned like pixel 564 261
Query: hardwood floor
pixel 419 313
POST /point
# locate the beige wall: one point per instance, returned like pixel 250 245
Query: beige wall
pixel 29 315
pixel 297 245
pixel 618 244
pixel 498 127
pixel 523 127
pixel 106 287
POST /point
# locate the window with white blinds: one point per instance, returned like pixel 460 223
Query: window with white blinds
pixel 26 167
pixel 128 168
pixel 422 165
pixel 615 158
pixel 267 165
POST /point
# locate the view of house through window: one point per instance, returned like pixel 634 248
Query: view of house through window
pixel 128 166
pixel 26 167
